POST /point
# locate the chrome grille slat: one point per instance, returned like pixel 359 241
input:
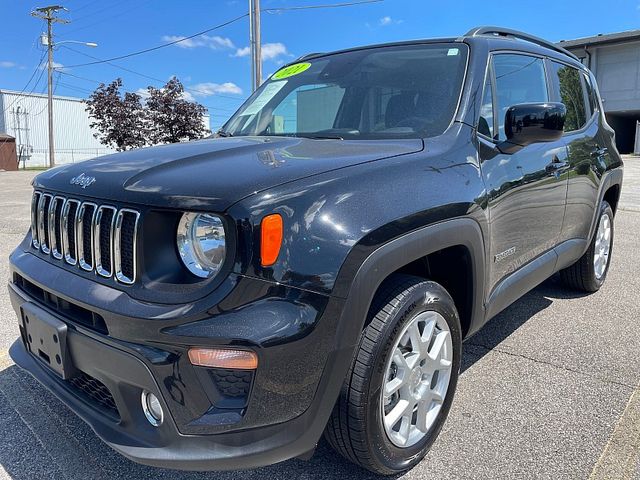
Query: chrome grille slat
pixel 107 215
pixel 98 238
pixel 122 275
pixel 85 255
pixel 35 200
pixel 55 227
pixel 70 209
pixel 43 222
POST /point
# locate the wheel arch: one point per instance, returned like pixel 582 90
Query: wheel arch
pixel 610 187
pixel 612 195
pixel 401 255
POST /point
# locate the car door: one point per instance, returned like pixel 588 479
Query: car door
pixel 526 190
pixel 570 86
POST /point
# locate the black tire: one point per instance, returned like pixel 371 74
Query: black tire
pixel 355 429
pixel 582 275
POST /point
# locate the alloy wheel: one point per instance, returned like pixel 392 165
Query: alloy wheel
pixel 417 379
pixel 602 247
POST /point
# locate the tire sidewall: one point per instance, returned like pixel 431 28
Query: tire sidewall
pixel 432 297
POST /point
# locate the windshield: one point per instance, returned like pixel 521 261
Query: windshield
pixel 408 91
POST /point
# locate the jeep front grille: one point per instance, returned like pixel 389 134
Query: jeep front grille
pixel 99 238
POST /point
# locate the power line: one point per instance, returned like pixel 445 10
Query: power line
pixel 74 87
pixel 55 86
pixel 157 47
pixel 87 4
pixel 100 10
pixel 100 82
pixel 105 18
pixel 308 7
pixel 38 67
pixel 49 14
pixel 144 75
pixel 224 24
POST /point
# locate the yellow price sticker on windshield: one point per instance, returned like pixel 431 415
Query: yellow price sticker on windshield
pixel 291 70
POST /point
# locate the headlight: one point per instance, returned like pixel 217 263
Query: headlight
pixel 201 243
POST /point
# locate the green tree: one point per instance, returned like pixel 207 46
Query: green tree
pixel 571 93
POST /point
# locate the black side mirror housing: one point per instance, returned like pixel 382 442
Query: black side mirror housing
pixel 528 123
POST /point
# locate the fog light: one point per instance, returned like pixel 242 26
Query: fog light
pixel 152 408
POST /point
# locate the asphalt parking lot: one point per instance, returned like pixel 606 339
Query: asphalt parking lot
pixel 549 388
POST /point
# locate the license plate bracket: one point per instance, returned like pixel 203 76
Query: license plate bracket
pixel 46 338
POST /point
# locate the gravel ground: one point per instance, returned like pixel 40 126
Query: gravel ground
pixel 547 388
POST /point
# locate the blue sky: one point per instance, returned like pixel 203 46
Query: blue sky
pixel 216 67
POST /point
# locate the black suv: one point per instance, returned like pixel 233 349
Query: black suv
pixel 220 304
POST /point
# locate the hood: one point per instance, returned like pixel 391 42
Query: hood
pixel 213 173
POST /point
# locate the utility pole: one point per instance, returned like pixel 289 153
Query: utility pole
pixel 47 13
pixel 255 42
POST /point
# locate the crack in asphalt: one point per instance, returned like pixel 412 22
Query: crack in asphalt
pixel 555 365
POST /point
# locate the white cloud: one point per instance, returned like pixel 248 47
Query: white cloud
pixel 144 93
pixel 242 52
pixel 270 51
pixel 56 65
pixel 188 97
pixel 273 50
pixel 6 64
pixel 213 42
pixel 387 20
pixel 208 89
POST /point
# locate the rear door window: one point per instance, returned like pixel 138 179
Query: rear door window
pixel 568 84
pixel 519 79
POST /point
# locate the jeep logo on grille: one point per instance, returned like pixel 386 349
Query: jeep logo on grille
pixel 83 180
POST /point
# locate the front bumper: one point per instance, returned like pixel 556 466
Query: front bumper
pixel 165 446
pixel 291 396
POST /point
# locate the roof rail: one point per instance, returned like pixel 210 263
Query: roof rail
pixel 507 32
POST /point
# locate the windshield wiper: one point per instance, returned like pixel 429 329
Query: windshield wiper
pixel 223 134
pixel 323 137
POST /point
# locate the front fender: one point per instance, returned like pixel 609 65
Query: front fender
pixel 358 281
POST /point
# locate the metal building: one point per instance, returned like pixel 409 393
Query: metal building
pixel 615 60
pixel 24 117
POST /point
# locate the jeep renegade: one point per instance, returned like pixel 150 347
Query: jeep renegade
pixel 219 304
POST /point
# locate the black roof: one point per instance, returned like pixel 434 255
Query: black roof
pixel 496 37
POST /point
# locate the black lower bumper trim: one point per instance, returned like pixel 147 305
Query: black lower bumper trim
pixel 228 451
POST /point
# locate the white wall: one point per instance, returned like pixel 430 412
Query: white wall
pixel 617 70
pixel 25 118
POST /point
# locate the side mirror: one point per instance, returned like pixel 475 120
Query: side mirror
pixel 528 123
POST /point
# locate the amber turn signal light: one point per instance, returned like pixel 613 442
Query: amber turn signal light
pixel 270 239
pixel 223 358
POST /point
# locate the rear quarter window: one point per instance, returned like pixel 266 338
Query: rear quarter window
pixel 592 97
